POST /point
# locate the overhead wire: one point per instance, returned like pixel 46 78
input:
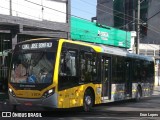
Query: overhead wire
pixel 107 8
pixel 98 9
pixel 123 14
pixel 59 11
pixel 150 27
pixel 66 13
pixel 36 17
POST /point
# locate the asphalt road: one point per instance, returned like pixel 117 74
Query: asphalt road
pixel 147 108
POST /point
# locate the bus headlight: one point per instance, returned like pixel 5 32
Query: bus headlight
pixel 49 93
pixel 11 92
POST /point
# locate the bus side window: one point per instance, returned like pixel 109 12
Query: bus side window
pixel 68 69
pixel 71 62
pixel 1 61
pixel 68 63
pixel 88 67
pixel 137 67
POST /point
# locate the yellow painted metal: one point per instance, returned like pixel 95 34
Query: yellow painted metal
pixel 73 97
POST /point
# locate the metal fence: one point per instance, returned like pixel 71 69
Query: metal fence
pixel 154 53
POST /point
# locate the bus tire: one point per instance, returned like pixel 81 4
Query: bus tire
pixel 138 95
pixel 88 100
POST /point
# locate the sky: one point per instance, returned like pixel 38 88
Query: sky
pixel 84 8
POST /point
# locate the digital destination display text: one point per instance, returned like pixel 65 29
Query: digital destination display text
pixel 37 45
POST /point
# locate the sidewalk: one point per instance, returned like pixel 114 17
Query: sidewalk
pixel 156 90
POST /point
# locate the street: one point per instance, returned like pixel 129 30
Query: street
pixel 147 108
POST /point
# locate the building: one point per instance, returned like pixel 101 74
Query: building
pixel 115 13
pixel 152 50
pixel 21 20
pixel 25 19
pixel 122 14
pixel 84 30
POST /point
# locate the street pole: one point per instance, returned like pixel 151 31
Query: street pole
pixel 10 5
pixel 138 27
pixel 158 73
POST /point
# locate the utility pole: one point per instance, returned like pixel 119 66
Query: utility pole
pixel 138 27
pixel 10 5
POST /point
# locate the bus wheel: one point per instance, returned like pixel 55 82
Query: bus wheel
pixel 138 95
pixel 88 100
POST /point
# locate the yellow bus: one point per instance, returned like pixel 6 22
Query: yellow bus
pixel 66 74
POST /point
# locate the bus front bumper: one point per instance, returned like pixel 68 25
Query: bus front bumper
pixel 50 101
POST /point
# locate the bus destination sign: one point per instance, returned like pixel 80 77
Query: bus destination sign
pixel 37 45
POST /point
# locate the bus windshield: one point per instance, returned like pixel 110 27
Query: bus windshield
pixel 32 67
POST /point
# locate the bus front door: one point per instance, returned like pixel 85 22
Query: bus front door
pixel 105 76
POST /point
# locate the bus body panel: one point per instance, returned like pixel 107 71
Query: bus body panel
pixel 33 94
pixel 147 89
pixel 43 102
pixel 73 97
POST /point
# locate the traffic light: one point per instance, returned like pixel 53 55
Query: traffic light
pixel 143 30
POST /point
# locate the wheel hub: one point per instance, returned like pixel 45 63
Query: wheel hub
pixel 88 100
